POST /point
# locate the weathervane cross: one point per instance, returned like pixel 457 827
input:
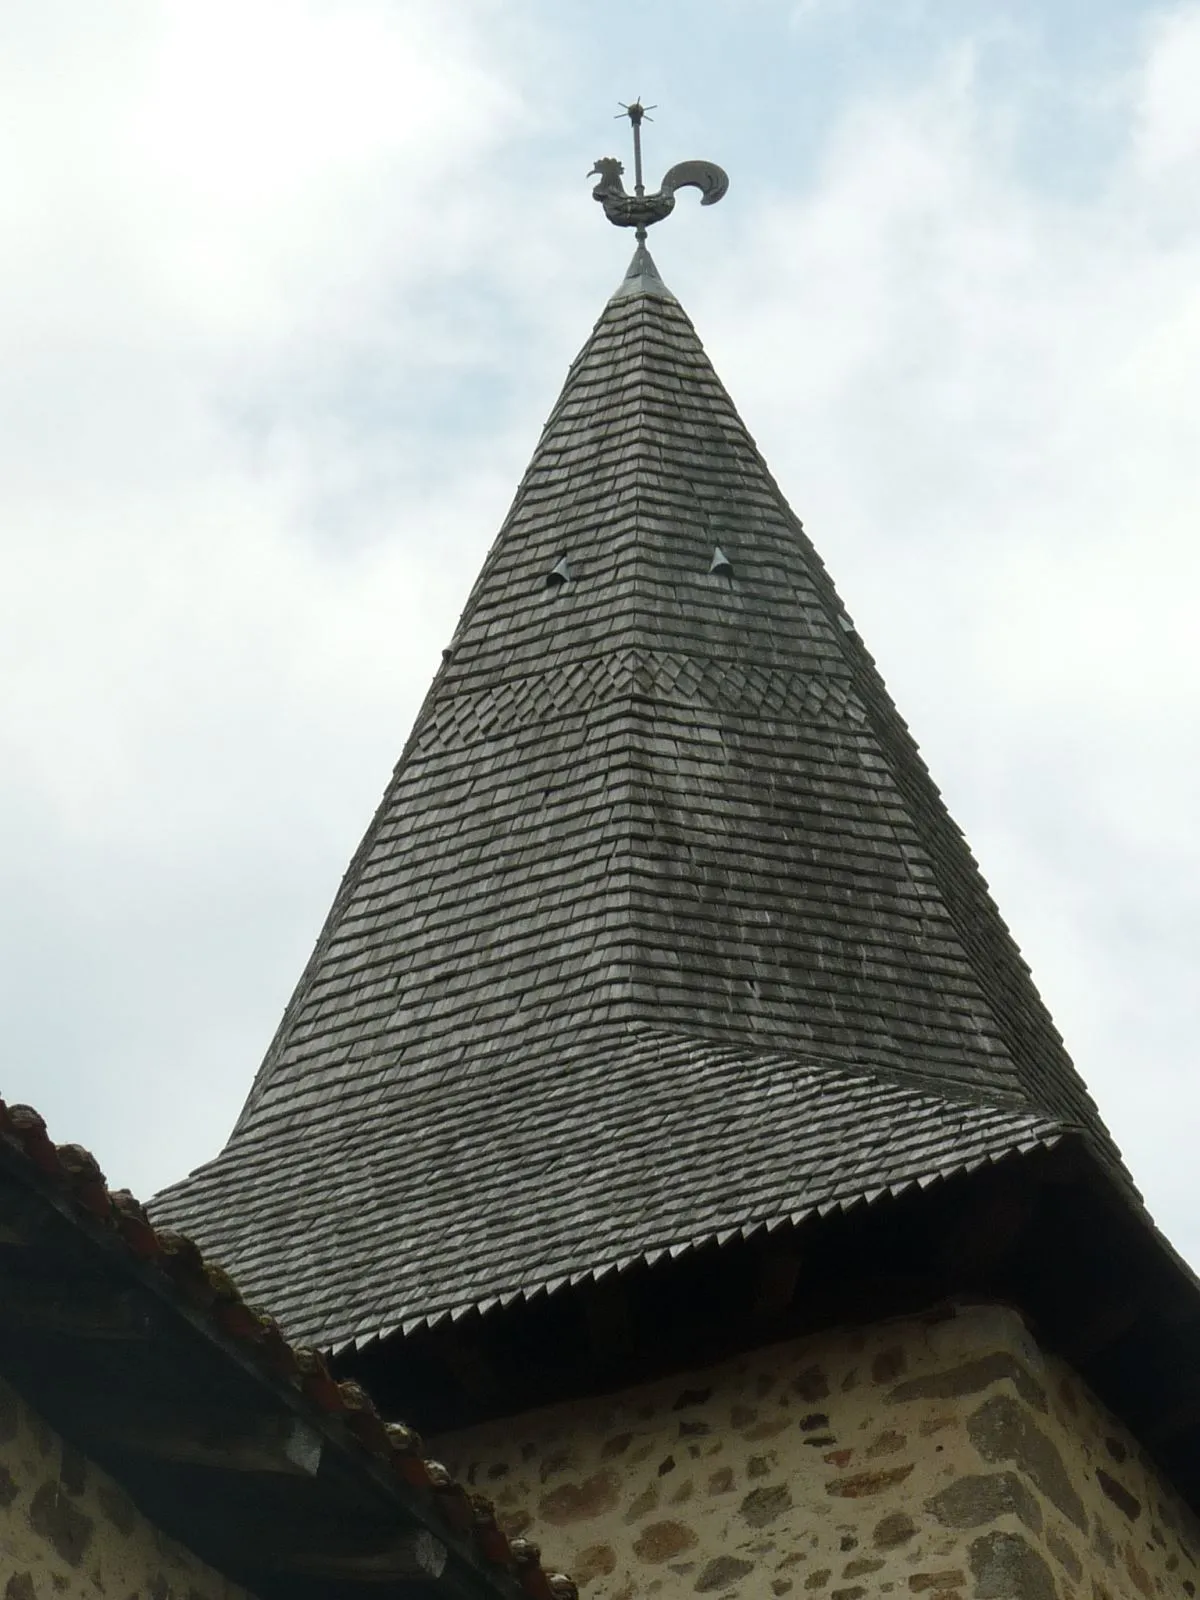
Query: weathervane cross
pixel 640 210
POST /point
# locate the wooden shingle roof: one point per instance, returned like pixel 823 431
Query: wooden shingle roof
pixel 661 932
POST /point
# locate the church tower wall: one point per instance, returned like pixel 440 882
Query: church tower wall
pixel 68 1531
pixel 945 1455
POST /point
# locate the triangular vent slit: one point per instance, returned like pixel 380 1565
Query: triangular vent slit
pixel 720 563
pixel 559 574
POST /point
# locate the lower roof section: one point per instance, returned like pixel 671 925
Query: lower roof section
pixel 556 1162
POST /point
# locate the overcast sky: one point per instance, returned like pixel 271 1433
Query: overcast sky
pixel 286 291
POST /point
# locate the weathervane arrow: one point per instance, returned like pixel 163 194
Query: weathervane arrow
pixel 640 210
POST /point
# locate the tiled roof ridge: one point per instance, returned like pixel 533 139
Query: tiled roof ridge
pixel 203 1287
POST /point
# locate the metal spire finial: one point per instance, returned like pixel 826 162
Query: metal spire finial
pixel 640 210
pixel 635 111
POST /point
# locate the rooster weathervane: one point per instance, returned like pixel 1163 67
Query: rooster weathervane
pixel 640 210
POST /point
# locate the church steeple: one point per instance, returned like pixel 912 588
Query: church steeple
pixel 661 934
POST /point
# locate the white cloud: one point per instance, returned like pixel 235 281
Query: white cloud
pixel 1166 140
pixel 210 211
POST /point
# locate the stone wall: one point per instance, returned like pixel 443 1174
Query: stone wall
pixel 943 1456
pixel 68 1532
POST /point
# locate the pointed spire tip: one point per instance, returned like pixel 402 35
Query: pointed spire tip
pixel 641 278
